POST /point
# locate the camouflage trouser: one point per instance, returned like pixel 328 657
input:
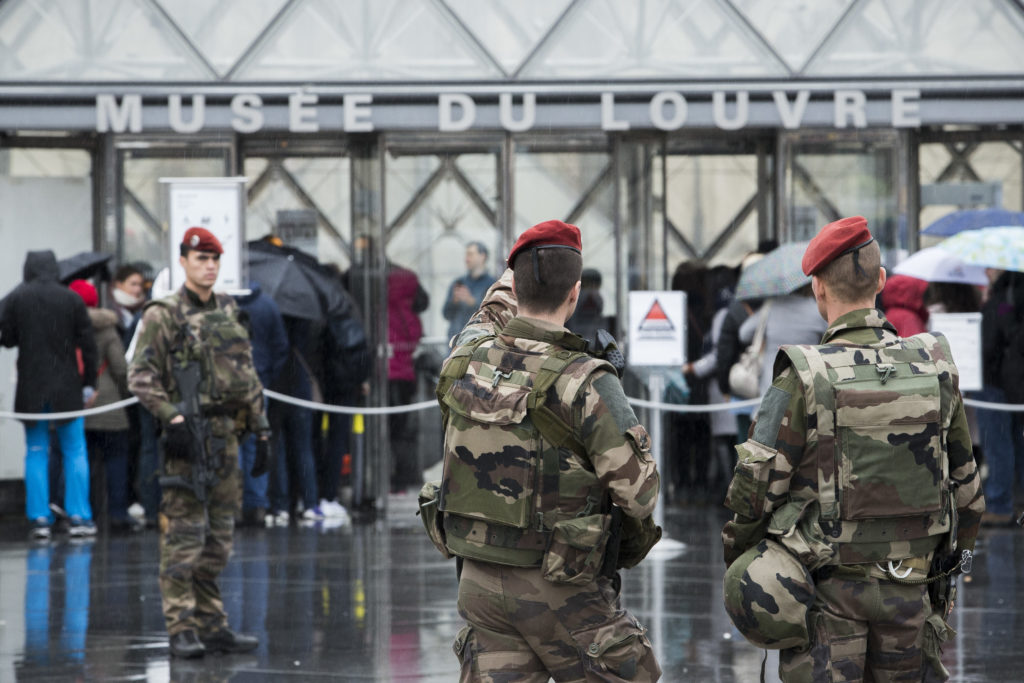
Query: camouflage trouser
pixel 195 543
pixel 868 629
pixel 525 628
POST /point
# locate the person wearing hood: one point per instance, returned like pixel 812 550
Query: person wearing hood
pixel 49 325
pixel 106 434
pixel 903 301
pixel 269 355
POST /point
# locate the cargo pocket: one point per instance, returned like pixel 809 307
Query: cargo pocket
pixel 463 651
pixel 576 551
pixel 433 518
pixel 750 479
pixel 617 650
pixel 936 632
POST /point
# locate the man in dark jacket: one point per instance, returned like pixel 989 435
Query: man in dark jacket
pixel 269 354
pixel 50 326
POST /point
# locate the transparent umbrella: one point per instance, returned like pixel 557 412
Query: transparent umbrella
pixel 938 265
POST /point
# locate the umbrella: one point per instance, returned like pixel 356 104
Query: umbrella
pixel 82 266
pixel 1001 247
pixel 938 265
pixel 778 273
pixel 972 219
pixel 299 285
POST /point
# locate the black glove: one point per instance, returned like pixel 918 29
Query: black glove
pixel 261 463
pixel 178 442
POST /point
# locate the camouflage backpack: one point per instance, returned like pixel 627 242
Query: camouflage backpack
pixel 882 415
pixel 508 479
pixel 768 593
pixel 219 342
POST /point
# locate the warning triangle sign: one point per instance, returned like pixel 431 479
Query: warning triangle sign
pixel 656 320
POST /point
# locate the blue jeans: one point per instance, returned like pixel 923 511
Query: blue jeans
pixel 293 464
pixel 1002 442
pixel 71 434
pixel 254 489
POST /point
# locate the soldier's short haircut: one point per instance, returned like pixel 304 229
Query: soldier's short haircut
pixel 560 270
pixel 853 277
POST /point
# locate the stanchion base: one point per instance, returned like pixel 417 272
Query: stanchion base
pixel 667 549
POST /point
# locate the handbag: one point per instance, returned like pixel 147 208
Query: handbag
pixel 745 373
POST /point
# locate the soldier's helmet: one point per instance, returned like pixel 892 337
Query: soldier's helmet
pixel 768 593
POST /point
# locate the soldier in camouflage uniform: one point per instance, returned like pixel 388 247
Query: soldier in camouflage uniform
pixel 859 463
pixel 542 454
pixel 200 480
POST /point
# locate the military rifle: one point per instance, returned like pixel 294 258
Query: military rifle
pixel 203 475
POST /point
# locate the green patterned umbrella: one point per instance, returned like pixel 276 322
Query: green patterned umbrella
pixel 778 273
pixel 1001 247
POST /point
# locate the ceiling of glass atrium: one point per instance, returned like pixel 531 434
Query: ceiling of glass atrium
pixel 504 41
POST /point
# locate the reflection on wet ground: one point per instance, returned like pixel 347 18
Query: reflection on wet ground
pixel 375 602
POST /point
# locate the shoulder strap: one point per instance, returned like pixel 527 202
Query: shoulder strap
pixel 819 404
pixel 454 369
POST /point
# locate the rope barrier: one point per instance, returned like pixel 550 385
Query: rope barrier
pixel 425 405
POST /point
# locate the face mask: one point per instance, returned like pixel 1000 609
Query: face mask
pixel 125 299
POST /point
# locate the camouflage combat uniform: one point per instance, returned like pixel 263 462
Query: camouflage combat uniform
pixel 801 481
pixel 529 518
pixel 196 537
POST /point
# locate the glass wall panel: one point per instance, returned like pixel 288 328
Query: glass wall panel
pixel 577 187
pixel 92 40
pixel 864 175
pixel 144 237
pixel 960 160
pixel 794 28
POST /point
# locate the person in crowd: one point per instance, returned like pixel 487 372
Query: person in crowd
pixel 127 296
pixel 789 319
pixel 406 300
pixel 903 302
pixel 952 297
pixel 690 433
pixel 269 355
pixel 49 325
pixel 1002 354
pixel 106 433
pixel 466 291
pixel 192 348
pixel 589 315
pixel 869 531
pixel 346 365
pixel 537 607
pixel 294 471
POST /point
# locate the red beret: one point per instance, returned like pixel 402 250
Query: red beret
pixel 86 291
pixel 201 239
pixel 548 234
pixel 834 240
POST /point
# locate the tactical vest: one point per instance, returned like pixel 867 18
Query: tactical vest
pixel 512 467
pixel 878 420
pixel 219 342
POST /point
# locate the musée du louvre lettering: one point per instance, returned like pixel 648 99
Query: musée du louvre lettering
pixel 667 110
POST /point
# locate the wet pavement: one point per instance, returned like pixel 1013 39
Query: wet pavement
pixel 375 602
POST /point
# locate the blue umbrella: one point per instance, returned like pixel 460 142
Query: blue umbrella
pixel 972 219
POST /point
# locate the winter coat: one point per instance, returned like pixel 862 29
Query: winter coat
pixel 1002 336
pixel 792 319
pixel 47 322
pixel 266 328
pixel 406 299
pixel 903 300
pixel 112 382
pixel 729 346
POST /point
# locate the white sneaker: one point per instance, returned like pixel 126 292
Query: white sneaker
pixel 313 515
pixel 332 509
pixel 280 518
pixel 137 511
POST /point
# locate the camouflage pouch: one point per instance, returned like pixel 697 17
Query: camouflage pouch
pixel 576 551
pixel 618 650
pixel 936 632
pixel 433 518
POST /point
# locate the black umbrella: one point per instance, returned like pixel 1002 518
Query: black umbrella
pixel 83 265
pixel 297 283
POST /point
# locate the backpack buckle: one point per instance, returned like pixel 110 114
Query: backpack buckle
pixel 498 375
pixel 886 370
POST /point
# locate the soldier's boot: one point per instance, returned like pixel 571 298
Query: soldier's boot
pixel 186 645
pixel 226 640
